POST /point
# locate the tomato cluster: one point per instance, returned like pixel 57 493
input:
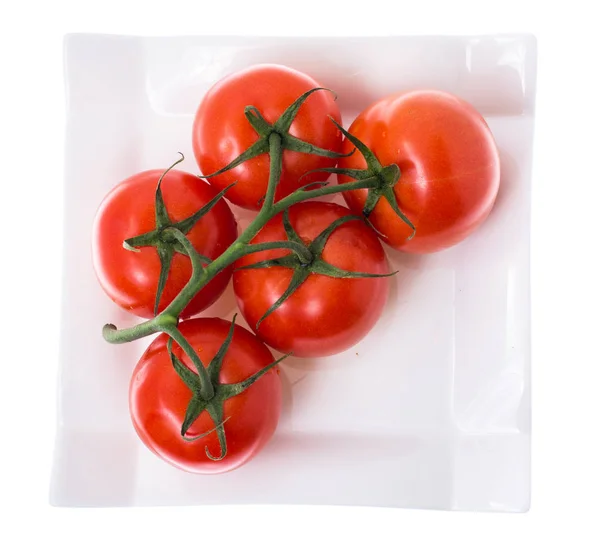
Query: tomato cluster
pixel 418 170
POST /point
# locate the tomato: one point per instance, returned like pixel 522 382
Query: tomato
pixel 131 278
pixel 158 399
pixel 450 169
pixel 221 131
pixel 326 315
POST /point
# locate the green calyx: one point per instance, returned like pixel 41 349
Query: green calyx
pixel 161 237
pixel 305 262
pixel 281 128
pixel 386 178
pixel 212 403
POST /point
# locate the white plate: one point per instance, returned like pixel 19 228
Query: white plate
pixel 431 410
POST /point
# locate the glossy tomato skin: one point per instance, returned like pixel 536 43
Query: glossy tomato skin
pixel 131 278
pixel 221 131
pixel 325 315
pixel 158 399
pixel 449 163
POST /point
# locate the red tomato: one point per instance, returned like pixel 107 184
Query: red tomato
pixel 221 131
pixel 131 278
pixel 325 315
pixel 450 169
pixel 158 399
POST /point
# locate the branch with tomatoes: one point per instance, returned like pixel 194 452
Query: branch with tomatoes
pixel 418 170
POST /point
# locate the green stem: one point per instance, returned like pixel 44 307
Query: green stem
pixel 303 195
pixel 155 325
pixel 198 273
pixel 207 390
pixel 275 167
pixel 202 275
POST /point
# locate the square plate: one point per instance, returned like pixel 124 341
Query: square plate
pixel 452 428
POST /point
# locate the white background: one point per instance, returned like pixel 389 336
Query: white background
pixel 566 300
